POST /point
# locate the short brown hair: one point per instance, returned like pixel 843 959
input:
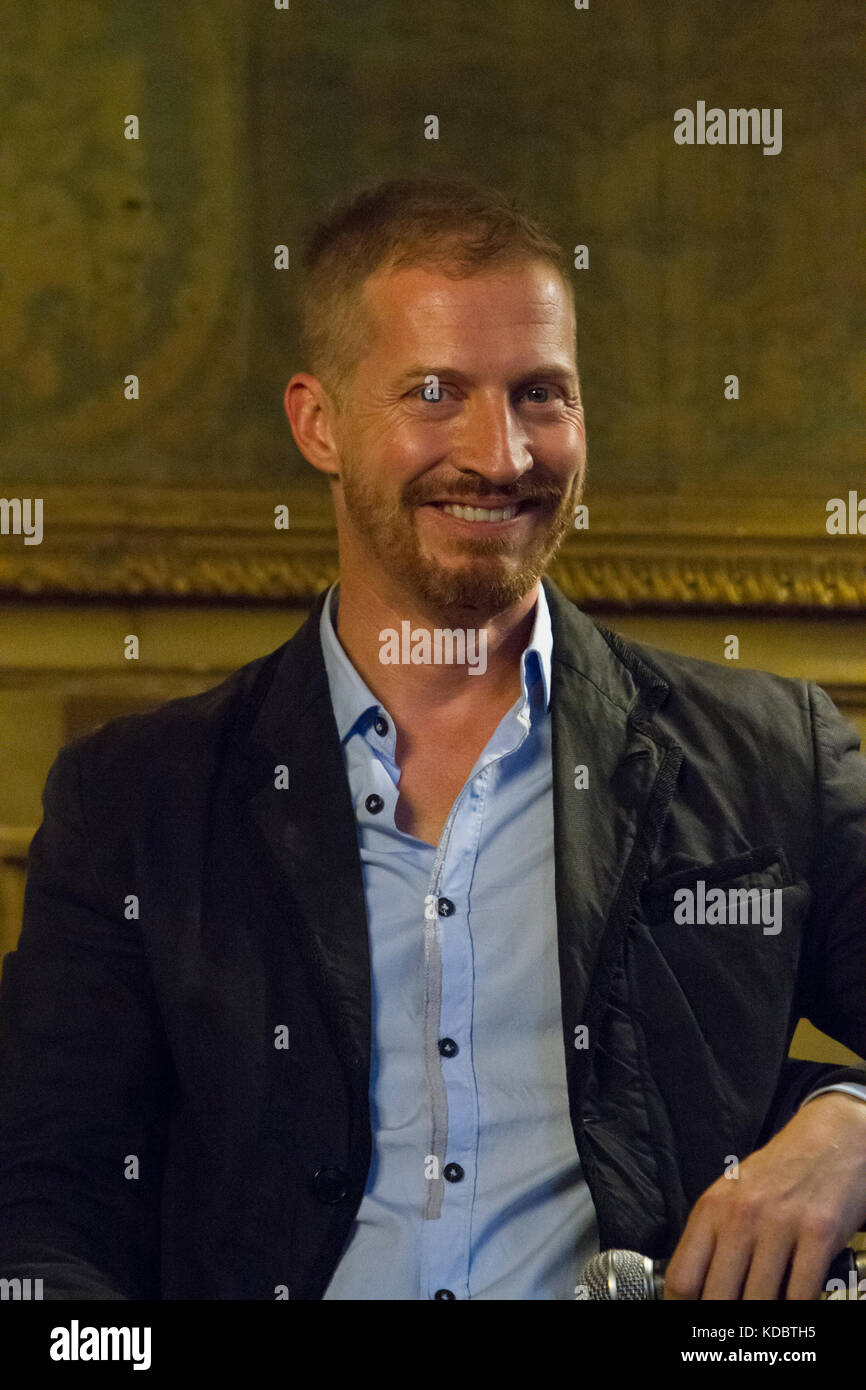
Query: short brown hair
pixel 458 225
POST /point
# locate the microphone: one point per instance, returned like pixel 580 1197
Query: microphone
pixel 627 1276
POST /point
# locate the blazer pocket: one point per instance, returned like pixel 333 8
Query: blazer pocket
pixel 766 866
pixel 728 907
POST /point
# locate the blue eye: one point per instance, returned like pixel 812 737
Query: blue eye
pixel 428 393
pixel 552 394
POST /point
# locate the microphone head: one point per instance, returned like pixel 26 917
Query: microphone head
pixel 623 1275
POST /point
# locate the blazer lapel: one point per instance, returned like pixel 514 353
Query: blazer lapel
pixel 602 700
pixel 310 837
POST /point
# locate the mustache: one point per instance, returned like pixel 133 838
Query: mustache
pixel 469 493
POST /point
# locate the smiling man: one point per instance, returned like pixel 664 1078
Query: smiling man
pixel 457 461
pixel 421 1020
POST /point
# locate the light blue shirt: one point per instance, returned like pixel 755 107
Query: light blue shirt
pixel 475 1188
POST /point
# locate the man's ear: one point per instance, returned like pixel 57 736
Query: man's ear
pixel 311 414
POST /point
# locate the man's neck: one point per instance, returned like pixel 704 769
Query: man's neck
pixel 435 692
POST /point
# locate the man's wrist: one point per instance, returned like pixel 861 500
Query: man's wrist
pixel 837 1107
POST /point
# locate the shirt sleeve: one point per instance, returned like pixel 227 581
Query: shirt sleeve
pixel 849 1088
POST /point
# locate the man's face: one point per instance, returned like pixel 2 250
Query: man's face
pixel 506 430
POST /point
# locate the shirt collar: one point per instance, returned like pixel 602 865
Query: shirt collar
pixel 352 700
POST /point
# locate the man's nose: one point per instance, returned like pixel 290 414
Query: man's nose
pixel 491 440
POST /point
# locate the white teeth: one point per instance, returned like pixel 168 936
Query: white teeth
pixel 481 513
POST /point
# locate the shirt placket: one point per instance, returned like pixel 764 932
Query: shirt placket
pixel 451 1162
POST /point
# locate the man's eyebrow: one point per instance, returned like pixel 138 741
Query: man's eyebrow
pixel 551 370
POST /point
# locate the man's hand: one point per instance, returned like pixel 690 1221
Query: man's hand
pixel 796 1203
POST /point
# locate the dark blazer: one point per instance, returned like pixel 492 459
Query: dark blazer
pixel 154 1143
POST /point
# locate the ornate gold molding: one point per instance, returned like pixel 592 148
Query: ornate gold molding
pixel 651 552
pixel 820 579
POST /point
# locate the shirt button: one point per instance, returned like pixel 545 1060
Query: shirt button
pixel 446 907
pixel 444 1293
pixel 381 726
pixel 452 1172
pixel 374 803
pixel 330 1185
pixel 448 1047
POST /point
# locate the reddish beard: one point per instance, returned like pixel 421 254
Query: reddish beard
pixel 480 576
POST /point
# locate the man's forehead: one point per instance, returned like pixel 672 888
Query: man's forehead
pixel 533 286
pixel 420 307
